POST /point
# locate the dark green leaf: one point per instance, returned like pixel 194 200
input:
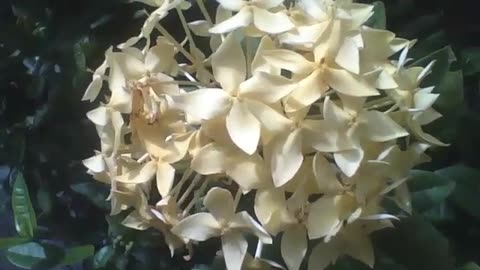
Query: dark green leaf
pixel 34 255
pixel 103 256
pixel 25 219
pixel 415 244
pixel 77 254
pixel 471 59
pixel 451 92
pixel 466 194
pixel 12 241
pixel 470 266
pixel 378 19
pixel 443 58
pixel 428 189
pixel 44 200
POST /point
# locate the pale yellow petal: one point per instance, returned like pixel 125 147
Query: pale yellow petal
pixel 234 5
pixel 198 227
pixel 322 256
pixel 348 56
pixel 294 246
pixel 382 128
pixel 210 159
pixel 323 217
pixel 308 90
pixel 243 127
pixel 348 83
pixel 265 87
pixel 234 247
pixel 325 175
pixel 287 157
pixel 349 160
pixel 242 19
pixel 272 23
pixel 142 174
pixel 165 178
pixel 244 222
pixel 219 202
pixel 206 103
pixel 289 60
pixel 229 64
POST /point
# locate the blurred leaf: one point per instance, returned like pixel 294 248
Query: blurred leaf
pixel 415 244
pixel 12 241
pixel 450 89
pixel 378 19
pixel 76 255
pixel 428 189
pixel 94 192
pixel 470 266
pixel 103 256
pixel 44 200
pixel 25 219
pixel 471 58
pixel 34 255
pixel 443 58
pixel 466 194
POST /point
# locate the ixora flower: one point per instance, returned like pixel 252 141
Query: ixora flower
pixel 297 104
pixel 222 221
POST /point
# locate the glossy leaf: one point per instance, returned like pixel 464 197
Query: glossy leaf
pixel 77 254
pixel 428 189
pixel 378 19
pixel 12 241
pixel 103 256
pixel 25 219
pixel 34 255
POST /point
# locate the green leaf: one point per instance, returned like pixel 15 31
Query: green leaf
pixel 466 194
pixel 12 241
pixel 471 59
pixel 415 244
pixel 44 200
pixel 428 189
pixel 443 58
pixel 103 256
pixel 25 219
pixel 77 254
pixel 470 266
pixel 94 192
pixel 451 92
pixel 34 255
pixel 378 19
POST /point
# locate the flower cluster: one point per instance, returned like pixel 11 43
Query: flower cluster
pixel 300 116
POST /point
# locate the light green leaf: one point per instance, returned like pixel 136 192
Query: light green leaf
pixel 77 254
pixel 103 256
pixel 378 19
pixel 12 241
pixel 25 219
pixel 34 255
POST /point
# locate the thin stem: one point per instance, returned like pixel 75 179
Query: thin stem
pixel 143 158
pixel 194 83
pixel 189 189
pixel 204 11
pixel 199 192
pixel 187 29
pixel 237 198
pixel 176 190
pixel 165 33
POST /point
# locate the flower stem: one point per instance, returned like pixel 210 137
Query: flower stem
pixel 186 29
pixel 176 190
pixel 190 188
pixel 199 192
pixel 258 251
pixel 238 195
pixel 204 11
pixel 180 48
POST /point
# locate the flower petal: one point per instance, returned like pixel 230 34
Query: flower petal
pixel 234 247
pixel 381 128
pixel 165 178
pixel 160 58
pixel 359 246
pixel 322 218
pixel 348 83
pixel 325 176
pixel 287 157
pixel 229 64
pixel 100 116
pixel 245 222
pixel 219 203
pixel 234 5
pixel 142 174
pixel 289 60
pixel 266 87
pixel 243 127
pixel 210 159
pixel 272 23
pixel 349 160
pixel 308 90
pixel 198 227
pixel 206 103
pixel 294 246
pixel 249 171
pixel 242 19
pixel 322 256
pixel 348 56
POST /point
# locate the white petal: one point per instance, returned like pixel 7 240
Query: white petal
pixel 234 247
pixel 359 246
pixel 349 160
pixel 242 19
pixel 273 121
pixel 245 222
pixel 200 28
pixel 348 56
pixel 259 63
pixel 322 256
pixel 322 218
pixel 382 128
pixel 268 4
pixel 165 178
pixel 294 246
pixel 249 171
pixel 160 57
pixel 289 60
pixel 325 176
pixel 99 116
pixel 198 227
pixel 287 157
pixel 424 101
pixel 96 164
pixel 219 203
pixel 233 5
pixel 348 83
pixel 243 127
pixel 272 23
pixel 210 159
pixel 266 87
pixel 140 175
pixel 308 90
pixel 93 89
pixel 205 104
pixel 229 64
pixel 117 82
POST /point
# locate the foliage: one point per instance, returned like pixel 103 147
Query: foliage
pixel 46 49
